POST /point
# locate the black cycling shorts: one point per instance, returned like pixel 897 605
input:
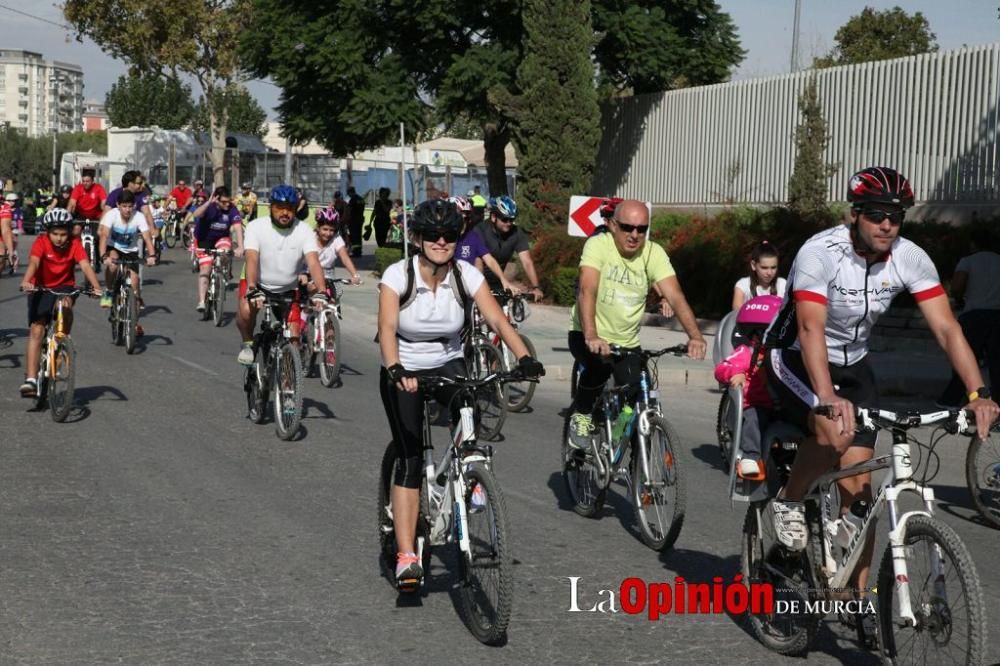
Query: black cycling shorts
pixel 40 306
pixel 789 385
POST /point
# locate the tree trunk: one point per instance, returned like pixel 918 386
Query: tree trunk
pixel 495 140
pixel 217 132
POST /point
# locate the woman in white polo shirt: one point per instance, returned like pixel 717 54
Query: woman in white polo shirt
pixel 424 337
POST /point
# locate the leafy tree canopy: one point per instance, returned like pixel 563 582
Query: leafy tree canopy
pixel 244 114
pixel 880 35
pixel 149 99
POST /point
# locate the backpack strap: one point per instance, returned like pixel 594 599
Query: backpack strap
pixel 409 293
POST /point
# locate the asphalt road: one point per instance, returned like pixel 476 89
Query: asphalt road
pixel 160 526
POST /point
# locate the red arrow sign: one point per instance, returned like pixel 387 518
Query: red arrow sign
pixel 581 215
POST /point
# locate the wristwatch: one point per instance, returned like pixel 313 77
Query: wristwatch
pixel 981 392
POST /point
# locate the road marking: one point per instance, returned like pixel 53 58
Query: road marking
pixel 190 364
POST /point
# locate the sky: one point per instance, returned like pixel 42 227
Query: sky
pixel 764 27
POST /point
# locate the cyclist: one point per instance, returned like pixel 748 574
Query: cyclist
pixel 217 218
pixel 331 244
pixel 122 229
pixel 503 238
pixel 275 250
pixel 246 203
pixel 7 245
pixel 471 247
pixel 617 269
pixel 423 336
pixel 61 200
pixel 841 281
pixel 86 201
pixel 54 254
pixel 179 196
pixel 132 181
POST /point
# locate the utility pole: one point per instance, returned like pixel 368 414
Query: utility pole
pixel 795 37
pixel 55 134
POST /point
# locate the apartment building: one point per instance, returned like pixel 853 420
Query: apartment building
pixel 40 96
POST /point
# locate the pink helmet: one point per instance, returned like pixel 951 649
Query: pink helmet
pixel 754 317
pixel 462 204
pixel 328 216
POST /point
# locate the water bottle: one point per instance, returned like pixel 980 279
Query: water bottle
pixel 621 423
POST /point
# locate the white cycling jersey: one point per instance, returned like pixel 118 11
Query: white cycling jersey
pixel 828 270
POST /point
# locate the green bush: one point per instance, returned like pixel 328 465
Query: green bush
pixel 562 286
pixel 385 257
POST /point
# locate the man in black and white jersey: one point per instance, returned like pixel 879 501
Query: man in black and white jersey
pixel 842 280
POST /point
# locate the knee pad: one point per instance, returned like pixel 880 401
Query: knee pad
pixel 408 472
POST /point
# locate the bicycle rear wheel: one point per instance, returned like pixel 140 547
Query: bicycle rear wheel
pixel 329 354
pixel 982 474
pixel 945 596
pixel 586 486
pixel 722 430
pixel 488 587
pixel 491 400
pixel 519 394
pixel 658 491
pixel 287 391
pixel 62 382
pixel 131 320
pixel 220 297
pixel 763 561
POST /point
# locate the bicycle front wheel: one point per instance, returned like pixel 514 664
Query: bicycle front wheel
pixel 487 588
pixel 116 317
pixel 170 238
pixel 945 597
pixel 658 486
pixel 256 400
pixel 131 320
pixel 220 297
pixel 62 380
pixel 491 400
pixel 519 394
pixel 287 391
pixel 586 486
pixel 329 354
pixel 982 473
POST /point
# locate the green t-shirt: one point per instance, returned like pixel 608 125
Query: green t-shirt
pixel 622 290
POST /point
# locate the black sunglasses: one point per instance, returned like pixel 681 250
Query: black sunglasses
pixel 629 228
pixel 449 235
pixel 876 216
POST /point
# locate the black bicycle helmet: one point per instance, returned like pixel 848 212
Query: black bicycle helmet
pixel 436 214
pixel 879 185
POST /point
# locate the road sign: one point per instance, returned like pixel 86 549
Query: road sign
pixel 585 214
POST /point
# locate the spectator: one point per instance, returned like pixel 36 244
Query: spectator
pixel 302 212
pixel 977 282
pixel 356 218
pixel 381 217
pixel 478 205
pixel 340 205
pixel 763 279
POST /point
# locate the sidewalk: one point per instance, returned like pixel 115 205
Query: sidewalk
pixel 921 374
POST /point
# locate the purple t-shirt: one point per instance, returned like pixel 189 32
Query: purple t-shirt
pixel 470 247
pixel 215 223
pixel 112 201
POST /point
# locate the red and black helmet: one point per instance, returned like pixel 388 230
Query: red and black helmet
pixel 608 206
pixel 879 185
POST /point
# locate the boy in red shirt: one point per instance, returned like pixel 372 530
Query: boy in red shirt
pixel 53 258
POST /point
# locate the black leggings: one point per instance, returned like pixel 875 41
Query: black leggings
pixel 597 370
pixel 405 412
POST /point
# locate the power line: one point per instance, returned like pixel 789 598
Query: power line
pixel 36 17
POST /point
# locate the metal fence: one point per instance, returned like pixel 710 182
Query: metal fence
pixel 933 117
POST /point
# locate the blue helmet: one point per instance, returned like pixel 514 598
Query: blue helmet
pixel 284 194
pixel 505 207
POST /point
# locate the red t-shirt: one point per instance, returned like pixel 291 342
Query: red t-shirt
pixel 88 202
pixel 6 211
pixel 55 266
pixel 182 196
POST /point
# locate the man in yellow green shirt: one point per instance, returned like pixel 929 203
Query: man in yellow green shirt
pixel 617 269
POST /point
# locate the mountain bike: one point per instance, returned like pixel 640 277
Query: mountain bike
pixel 930 604
pixel 448 515
pixel 982 474
pixel 519 394
pixel 215 297
pixel 482 359
pixel 173 231
pixel 276 373
pixel 124 315
pixel 56 380
pixel 653 471
pixel 321 336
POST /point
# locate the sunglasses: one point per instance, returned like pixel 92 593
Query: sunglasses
pixel 433 235
pixel 877 216
pixel 629 228
pixel 505 220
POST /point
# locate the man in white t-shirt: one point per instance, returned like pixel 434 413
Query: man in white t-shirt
pixel 275 249
pixel 977 282
pixel 122 229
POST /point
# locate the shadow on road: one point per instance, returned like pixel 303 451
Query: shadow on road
pixel 156 308
pixel 88 394
pixel 151 340
pixel 956 501
pixel 348 370
pixel 13 359
pixel 709 454
pixel 308 404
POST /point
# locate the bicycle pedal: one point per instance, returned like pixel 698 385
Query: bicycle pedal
pixel 409 585
pixel 760 476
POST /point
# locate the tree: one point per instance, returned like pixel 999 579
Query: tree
pixel 556 117
pixel 195 37
pixel 27 161
pixel 83 142
pixel 807 185
pixel 243 112
pixel 147 99
pixel 351 71
pixel 880 35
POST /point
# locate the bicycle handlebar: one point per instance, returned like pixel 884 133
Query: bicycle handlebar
pixel 75 291
pixel 956 421
pixel 676 350
pixel 430 382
